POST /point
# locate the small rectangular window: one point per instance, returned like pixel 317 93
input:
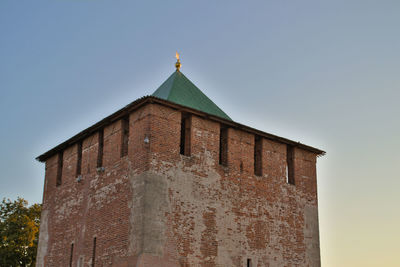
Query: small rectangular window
pixel 71 255
pixel 223 146
pixel 290 164
pixel 79 159
pixel 185 141
pixel 100 149
pixel 258 156
pixel 94 252
pixel 124 136
pixel 59 168
pixel 248 262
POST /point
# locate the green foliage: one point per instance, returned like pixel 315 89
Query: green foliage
pixel 19 232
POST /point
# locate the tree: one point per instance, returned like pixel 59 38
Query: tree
pixel 19 233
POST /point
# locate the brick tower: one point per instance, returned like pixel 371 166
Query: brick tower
pixel 170 180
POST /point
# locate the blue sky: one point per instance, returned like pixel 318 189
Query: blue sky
pixel 325 73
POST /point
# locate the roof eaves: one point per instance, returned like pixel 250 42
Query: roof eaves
pixel 152 99
pixel 241 126
pixel 107 120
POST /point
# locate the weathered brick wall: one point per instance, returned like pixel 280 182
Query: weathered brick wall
pixel 221 216
pixel 100 205
pixel 155 207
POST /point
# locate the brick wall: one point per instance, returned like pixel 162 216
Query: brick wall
pixel 156 207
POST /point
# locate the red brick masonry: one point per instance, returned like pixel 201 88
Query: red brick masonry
pixel 156 207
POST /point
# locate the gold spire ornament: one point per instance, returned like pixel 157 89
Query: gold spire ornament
pixel 178 62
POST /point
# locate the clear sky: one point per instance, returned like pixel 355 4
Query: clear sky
pixel 325 73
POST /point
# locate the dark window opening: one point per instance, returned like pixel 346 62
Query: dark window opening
pixel 79 160
pixel 258 156
pixel 248 262
pixel 71 255
pixel 223 146
pixel 100 149
pixel 185 142
pixel 290 164
pixel 124 136
pixel 94 252
pixel 59 168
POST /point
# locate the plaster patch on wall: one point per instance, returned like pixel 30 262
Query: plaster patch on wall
pixel 136 207
pixel 67 207
pixel 106 194
pixel 155 207
pixel 311 234
pixel 43 239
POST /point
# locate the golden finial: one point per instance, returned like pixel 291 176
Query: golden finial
pixel 178 62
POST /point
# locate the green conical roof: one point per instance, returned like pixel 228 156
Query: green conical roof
pixel 180 90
